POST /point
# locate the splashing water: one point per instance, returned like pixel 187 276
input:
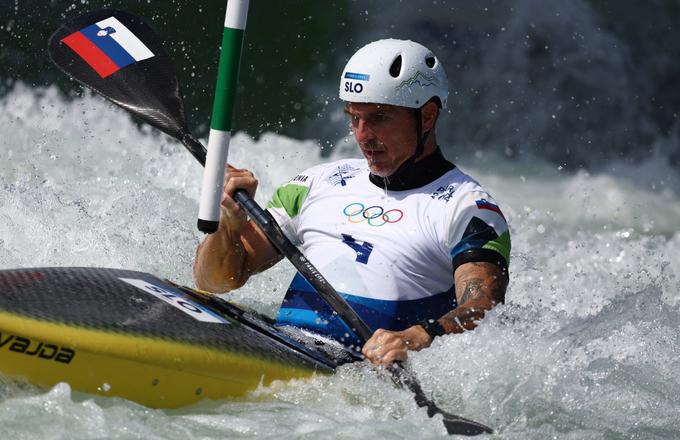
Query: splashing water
pixel 585 347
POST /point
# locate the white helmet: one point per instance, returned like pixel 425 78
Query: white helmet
pixel 396 72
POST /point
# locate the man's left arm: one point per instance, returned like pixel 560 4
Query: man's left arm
pixel 479 287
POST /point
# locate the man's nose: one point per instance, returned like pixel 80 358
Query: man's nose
pixel 362 132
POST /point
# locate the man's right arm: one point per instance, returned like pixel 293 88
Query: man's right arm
pixel 226 259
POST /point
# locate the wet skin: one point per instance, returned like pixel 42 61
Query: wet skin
pixel 386 134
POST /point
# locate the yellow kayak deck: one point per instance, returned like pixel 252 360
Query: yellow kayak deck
pixel 129 334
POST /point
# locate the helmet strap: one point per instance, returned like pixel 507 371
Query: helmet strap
pixel 421 138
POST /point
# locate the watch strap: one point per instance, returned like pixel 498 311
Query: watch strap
pixel 432 327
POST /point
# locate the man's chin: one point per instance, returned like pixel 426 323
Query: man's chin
pixel 381 168
pixel 380 171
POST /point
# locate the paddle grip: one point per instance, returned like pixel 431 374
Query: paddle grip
pixel 261 217
pixel 220 121
pixel 198 151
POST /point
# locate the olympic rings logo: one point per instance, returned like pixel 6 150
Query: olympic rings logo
pixel 373 215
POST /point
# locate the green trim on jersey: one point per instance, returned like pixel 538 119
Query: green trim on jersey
pixel 290 198
pixel 501 245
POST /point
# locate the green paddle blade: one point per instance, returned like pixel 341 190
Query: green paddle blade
pixel 120 57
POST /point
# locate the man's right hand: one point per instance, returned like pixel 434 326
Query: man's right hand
pixel 233 217
pixel 226 259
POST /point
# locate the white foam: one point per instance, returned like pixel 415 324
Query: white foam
pixel 587 341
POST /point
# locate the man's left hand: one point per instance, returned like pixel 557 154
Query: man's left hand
pixel 386 346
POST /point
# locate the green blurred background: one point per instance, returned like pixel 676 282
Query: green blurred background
pixel 608 69
pixel 286 44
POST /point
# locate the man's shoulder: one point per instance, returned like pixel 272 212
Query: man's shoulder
pixel 455 184
pixel 460 196
pixel 462 177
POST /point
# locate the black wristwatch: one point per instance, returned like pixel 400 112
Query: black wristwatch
pixel 432 327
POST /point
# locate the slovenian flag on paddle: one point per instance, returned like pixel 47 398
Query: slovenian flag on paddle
pixel 107 46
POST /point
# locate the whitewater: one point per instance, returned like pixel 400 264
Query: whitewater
pixel 586 345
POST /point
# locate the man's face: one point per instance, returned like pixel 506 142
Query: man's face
pixel 386 135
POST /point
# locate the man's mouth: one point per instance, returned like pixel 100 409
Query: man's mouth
pixel 370 150
pixel 373 155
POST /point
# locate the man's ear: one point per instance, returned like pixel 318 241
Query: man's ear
pixel 429 113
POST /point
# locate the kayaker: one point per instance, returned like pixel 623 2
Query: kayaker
pixel 417 247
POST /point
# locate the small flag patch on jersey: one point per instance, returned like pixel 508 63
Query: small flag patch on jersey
pixel 485 204
pixel 107 46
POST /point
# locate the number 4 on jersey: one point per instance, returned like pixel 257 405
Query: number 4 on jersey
pixel 363 250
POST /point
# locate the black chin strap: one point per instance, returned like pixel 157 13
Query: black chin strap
pixel 421 138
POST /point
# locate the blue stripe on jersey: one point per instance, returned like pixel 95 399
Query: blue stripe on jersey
pixel 108 45
pixel 303 307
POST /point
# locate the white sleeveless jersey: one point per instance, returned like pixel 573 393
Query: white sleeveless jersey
pixel 391 254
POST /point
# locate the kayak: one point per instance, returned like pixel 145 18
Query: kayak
pixel 130 334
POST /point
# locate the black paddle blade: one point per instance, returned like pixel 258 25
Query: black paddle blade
pixel 120 57
pixel 460 426
pixel 455 425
